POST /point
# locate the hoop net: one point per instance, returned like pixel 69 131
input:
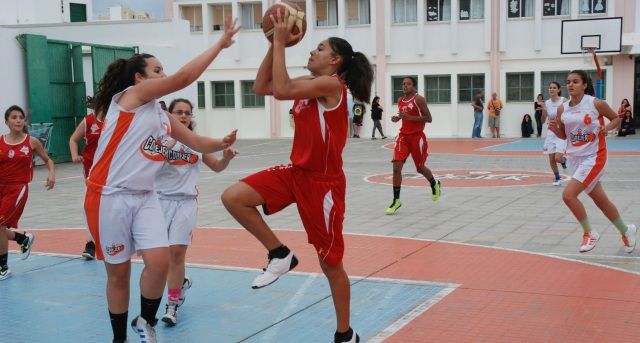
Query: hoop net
pixel 587 57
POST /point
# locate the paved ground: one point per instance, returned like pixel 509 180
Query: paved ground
pixel 421 284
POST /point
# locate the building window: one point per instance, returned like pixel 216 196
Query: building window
pixel 249 98
pixel 201 94
pixel 358 12
pixel 520 8
pixel 469 85
pixel 326 12
pixel 438 89
pixel 438 10
pixel 396 87
pixel 555 7
pixel 558 76
pixel 405 11
pixel 471 9
pixel 520 87
pixel 194 15
pixel 77 12
pixel 593 6
pixel 251 14
pixel 222 94
pixel 220 13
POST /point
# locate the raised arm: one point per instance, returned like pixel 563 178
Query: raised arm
pixel 37 147
pixel 262 85
pixel 144 92
pixel 199 143
pixel 73 141
pixel 218 165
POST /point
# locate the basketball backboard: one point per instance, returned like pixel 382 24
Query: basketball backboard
pixel 603 34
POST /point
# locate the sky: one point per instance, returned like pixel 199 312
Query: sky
pixel 155 8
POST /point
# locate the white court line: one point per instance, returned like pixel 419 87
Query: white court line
pixel 501 144
pixel 409 316
pixel 291 305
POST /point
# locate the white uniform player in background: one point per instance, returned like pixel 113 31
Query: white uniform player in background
pixel 554 147
pixel 176 188
pixel 581 122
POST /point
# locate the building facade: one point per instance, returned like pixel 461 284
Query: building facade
pixel 452 47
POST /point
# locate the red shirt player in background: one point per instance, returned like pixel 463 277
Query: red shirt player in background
pixel 90 129
pixel 314 180
pixel 16 163
pixel 414 113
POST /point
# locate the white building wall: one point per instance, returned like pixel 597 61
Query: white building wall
pixel 24 12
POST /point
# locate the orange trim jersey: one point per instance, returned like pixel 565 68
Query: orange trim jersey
pixel 16 161
pixel 582 124
pixel 131 148
pixel 410 107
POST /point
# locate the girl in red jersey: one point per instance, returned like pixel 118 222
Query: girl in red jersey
pixel 131 149
pixel 89 128
pixel 16 163
pixel 314 180
pixel 580 121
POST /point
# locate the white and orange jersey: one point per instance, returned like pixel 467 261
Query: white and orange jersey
pixel 552 111
pixel 179 174
pixel 582 125
pixel 131 149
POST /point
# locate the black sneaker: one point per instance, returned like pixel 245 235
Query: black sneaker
pixel 353 339
pixel 89 250
pixel 25 247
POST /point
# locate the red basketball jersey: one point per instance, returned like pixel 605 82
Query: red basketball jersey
pixel 320 135
pixel 92 131
pixel 16 161
pixel 410 107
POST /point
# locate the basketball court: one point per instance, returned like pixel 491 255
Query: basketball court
pixel 495 259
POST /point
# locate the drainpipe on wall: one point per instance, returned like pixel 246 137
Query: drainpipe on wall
pixel 494 57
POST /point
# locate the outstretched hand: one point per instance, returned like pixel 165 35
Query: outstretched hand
pixel 230 29
pixel 229 154
pixel 229 139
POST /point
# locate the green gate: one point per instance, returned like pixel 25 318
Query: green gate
pixel 56 85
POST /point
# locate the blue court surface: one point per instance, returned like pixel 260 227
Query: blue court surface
pixel 613 145
pixel 62 299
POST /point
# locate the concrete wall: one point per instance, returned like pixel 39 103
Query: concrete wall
pixel 26 12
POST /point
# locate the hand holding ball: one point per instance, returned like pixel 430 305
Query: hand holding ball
pixel 285 21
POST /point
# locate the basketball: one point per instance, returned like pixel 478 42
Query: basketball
pixel 294 11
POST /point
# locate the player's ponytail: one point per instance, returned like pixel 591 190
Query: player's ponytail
pixel 585 79
pixel 120 74
pixel 355 70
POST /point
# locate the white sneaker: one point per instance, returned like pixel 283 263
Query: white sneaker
pixel 25 247
pixel 629 238
pixel 557 182
pixel 5 273
pixel 276 268
pixel 143 329
pixel 186 284
pixel 589 241
pixel 171 314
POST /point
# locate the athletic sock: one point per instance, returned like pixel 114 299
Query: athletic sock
pixel 4 260
pixel 433 182
pixel 557 175
pixel 396 192
pixel 119 326
pixel 620 225
pixel 19 237
pixel 586 226
pixel 173 294
pixel 279 252
pixel 149 308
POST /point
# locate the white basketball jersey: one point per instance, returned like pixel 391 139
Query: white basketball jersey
pixel 552 112
pixel 131 149
pixel 179 174
pixel 582 125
